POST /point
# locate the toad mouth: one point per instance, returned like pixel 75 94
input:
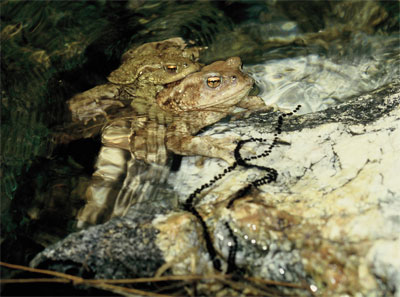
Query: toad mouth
pixel 173 84
pixel 240 94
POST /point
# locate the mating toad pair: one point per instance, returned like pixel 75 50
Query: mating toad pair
pixel 157 101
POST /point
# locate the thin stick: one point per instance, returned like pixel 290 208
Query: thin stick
pixel 34 280
pixel 277 283
pixel 162 279
pixel 79 280
pixel 75 279
pixel 128 290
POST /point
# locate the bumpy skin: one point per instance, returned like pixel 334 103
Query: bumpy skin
pixel 156 62
pixel 151 128
pixel 182 109
pixel 143 72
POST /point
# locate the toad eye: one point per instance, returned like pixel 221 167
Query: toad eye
pixel 213 81
pixel 171 68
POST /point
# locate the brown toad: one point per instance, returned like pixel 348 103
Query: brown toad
pixel 143 72
pixel 182 110
pixel 151 128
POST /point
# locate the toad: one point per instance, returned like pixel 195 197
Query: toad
pixel 183 109
pixel 143 72
pixel 151 128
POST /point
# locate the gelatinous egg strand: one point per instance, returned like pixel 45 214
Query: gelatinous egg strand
pixel 271 176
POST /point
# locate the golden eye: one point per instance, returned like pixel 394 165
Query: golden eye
pixel 171 68
pixel 213 81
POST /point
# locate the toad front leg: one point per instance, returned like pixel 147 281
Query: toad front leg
pixel 252 104
pixel 180 141
pixel 255 103
pixel 88 105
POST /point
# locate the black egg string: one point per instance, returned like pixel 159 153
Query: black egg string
pixel 271 176
pixel 209 245
pixel 232 251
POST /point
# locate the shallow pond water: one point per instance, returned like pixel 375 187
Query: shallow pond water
pixel 357 66
pixel 317 54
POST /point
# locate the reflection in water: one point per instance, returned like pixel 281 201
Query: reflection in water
pixel 315 53
pixel 318 81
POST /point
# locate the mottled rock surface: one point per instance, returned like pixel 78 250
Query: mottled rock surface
pixel 330 219
pixel 338 179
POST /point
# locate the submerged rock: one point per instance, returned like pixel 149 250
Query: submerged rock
pixel 331 219
pixel 319 80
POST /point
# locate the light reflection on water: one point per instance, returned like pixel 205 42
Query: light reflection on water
pixel 316 79
pixel 320 81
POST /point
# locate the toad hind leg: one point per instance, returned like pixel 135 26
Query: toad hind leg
pixel 104 188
